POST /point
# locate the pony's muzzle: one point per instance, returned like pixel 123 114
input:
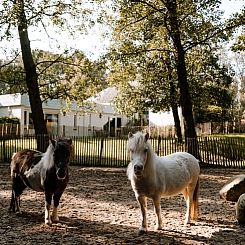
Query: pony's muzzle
pixel 138 169
pixel 61 173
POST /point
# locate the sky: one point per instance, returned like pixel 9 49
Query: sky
pixel 93 43
pixel 231 6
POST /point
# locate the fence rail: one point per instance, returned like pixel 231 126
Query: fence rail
pixel 112 151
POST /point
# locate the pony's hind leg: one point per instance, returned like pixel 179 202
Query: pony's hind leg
pixel 143 202
pixel 188 199
pixel 194 205
pixel 191 196
pixel 55 217
pixel 157 208
pixel 17 189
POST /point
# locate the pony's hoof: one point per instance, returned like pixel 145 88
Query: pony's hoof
pixel 187 224
pixel 55 219
pixel 48 222
pixel 158 228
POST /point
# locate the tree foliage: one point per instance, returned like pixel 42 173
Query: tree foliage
pixel 12 77
pixel 239 45
pixel 69 76
pixel 66 76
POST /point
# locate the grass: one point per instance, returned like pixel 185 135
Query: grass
pixel 88 151
pixel 97 151
pixel 234 135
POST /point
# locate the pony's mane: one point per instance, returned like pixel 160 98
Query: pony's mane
pixel 138 142
pixel 48 157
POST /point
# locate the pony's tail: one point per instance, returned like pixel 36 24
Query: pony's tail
pixel 12 206
pixel 194 206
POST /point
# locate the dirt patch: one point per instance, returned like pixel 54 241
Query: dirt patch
pixel 99 207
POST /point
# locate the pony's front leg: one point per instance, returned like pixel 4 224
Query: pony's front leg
pixel 157 207
pixel 57 197
pixel 48 199
pixel 143 202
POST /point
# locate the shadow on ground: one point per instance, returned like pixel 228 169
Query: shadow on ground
pixel 99 207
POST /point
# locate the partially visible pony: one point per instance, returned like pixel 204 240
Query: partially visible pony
pixel 43 172
pixel 153 176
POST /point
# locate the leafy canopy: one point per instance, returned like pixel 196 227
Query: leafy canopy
pixel 66 73
pixel 143 55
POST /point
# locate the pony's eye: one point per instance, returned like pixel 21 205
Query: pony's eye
pixel 145 150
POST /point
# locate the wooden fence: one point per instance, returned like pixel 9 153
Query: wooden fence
pixel 112 151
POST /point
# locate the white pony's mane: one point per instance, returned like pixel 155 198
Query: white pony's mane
pixel 48 157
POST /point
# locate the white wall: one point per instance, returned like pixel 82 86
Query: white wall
pixel 15 112
pixel 4 112
pixel 10 112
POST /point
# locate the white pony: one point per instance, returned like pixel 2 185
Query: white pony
pixel 153 176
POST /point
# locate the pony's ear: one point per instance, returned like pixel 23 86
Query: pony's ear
pixel 69 141
pixel 53 142
pixel 130 135
pixel 146 136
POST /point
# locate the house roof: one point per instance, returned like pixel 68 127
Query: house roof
pixel 23 100
pixel 106 96
pixel 103 101
pixel 12 100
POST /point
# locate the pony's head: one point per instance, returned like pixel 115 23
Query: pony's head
pixel 138 146
pixel 62 156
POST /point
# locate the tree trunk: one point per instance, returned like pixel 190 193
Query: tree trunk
pixel 185 99
pixel 173 101
pixel 32 80
pixel 174 107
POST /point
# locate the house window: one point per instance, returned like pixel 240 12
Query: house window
pixel 30 119
pixel 119 122
pixel 75 121
pixel 25 117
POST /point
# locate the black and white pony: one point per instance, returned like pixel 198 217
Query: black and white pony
pixel 153 176
pixel 43 172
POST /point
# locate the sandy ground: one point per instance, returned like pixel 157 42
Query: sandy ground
pixel 99 207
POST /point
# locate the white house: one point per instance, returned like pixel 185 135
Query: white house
pixel 75 122
pixel 71 123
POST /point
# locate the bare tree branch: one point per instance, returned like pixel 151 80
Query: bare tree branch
pixel 11 61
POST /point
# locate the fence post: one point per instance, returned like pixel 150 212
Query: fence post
pixel 193 148
pixel 101 149
pixel 4 150
pixel 159 144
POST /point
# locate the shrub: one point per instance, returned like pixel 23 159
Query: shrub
pixel 13 120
